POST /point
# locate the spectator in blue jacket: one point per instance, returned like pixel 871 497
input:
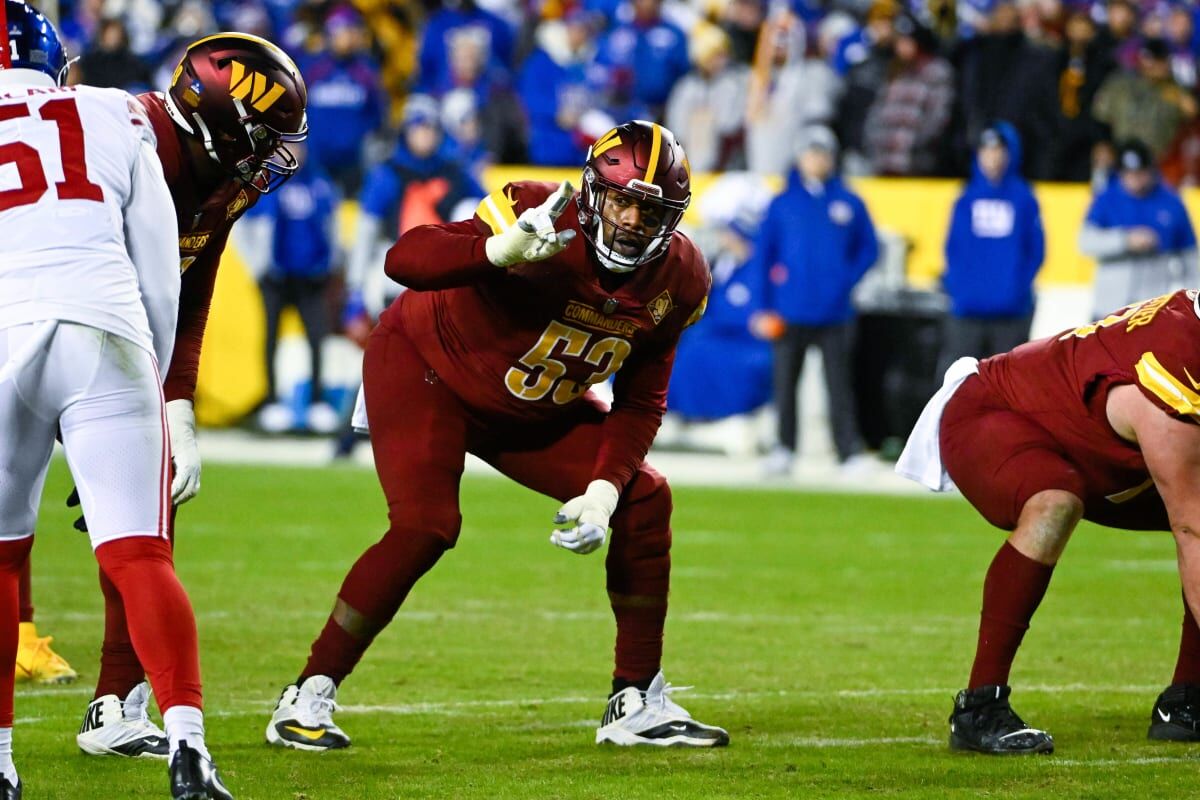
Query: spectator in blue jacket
pixel 1139 233
pixel 557 92
pixel 345 100
pixel 290 243
pixel 423 182
pixel 742 383
pixel 994 249
pixel 648 54
pixel 816 243
pixel 434 60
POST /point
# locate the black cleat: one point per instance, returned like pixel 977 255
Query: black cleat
pixel 194 777
pixel 1176 714
pixel 8 791
pixel 984 722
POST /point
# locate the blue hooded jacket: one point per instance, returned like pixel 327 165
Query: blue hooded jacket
pixel 385 185
pixel 812 249
pixel 996 244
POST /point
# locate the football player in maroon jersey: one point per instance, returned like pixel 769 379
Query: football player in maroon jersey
pixel 510 317
pixel 235 102
pixel 1099 423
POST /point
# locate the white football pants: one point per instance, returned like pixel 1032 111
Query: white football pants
pixel 104 393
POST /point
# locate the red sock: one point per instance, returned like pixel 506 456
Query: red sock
pixel 120 669
pixel 639 636
pixel 1013 589
pixel 1187 667
pixel 14 555
pixel 162 626
pixel 375 587
pixel 25 601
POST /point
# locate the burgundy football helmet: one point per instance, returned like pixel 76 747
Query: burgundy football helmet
pixel 643 162
pixel 245 99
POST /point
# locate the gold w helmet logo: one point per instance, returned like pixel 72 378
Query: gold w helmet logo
pixel 257 87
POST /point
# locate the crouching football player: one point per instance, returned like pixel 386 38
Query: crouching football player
pixel 1099 423
pixel 510 318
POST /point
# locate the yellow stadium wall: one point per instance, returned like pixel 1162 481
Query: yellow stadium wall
pixel 233 381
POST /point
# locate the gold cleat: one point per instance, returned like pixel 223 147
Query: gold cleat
pixel 36 662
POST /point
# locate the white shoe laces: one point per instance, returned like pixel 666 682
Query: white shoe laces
pixel 134 713
pixel 318 708
pixel 661 701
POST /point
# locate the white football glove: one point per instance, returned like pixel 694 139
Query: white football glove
pixel 533 238
pixel 587 518
pixel 181 424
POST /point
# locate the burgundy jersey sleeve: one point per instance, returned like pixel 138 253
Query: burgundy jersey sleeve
pixel 1168 357
pixel 195 299
pixel 639 401
pixel 447 255
pixel 640 387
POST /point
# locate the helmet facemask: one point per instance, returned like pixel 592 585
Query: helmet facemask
pixel 605 233
pixel 269 163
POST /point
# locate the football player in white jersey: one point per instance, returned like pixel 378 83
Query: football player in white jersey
pixel 89 293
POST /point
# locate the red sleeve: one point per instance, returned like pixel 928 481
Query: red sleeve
pixel 440 256
pixel 195 298
pixel 639 401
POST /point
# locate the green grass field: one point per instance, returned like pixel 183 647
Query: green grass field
pixel 828 633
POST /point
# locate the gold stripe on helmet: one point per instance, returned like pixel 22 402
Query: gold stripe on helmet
pixel 655 146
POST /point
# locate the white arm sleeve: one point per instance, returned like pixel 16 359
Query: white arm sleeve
pixel 366 237
pixel 152 238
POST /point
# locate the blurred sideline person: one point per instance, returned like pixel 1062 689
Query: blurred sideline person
pixel 815 244
pixel 423 182
pixel 721 368
pixel 1138 231
pixel 289 242
pixel 509 319
pixel 994 249
pixel 89 293
pixel 220 148
pixel 1098 423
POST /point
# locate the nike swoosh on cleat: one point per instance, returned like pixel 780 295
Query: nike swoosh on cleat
pixel 1162 716
pixel 312 736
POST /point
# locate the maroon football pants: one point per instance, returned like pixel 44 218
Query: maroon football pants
pixel 421 432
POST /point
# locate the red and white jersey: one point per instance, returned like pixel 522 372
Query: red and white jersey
pixel 68 158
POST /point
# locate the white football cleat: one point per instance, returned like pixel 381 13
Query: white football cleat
pixel 652 718
pixel 303 718
pixel 116 727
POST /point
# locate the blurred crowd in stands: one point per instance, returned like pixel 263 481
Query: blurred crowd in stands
pixel 908 85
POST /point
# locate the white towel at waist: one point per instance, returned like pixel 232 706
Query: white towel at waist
pixel 359 420
pixel 921 460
